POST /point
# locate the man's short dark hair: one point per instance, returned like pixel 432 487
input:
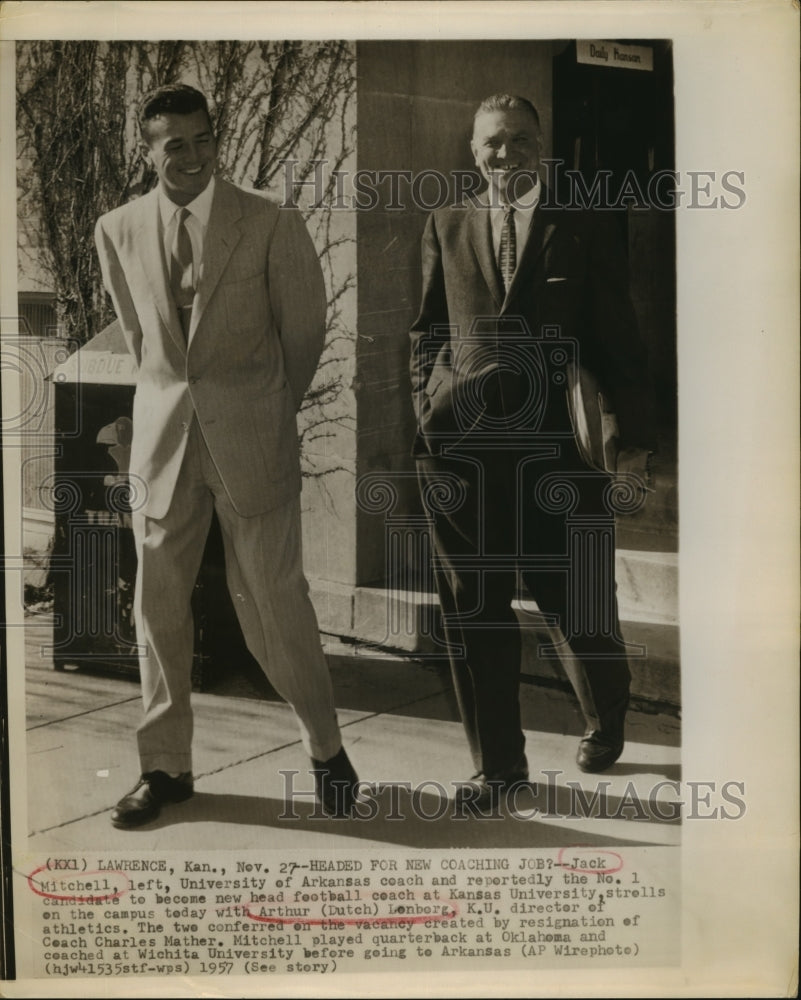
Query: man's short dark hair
pixel 507 102
pixel 171 99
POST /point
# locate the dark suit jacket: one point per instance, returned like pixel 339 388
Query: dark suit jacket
pixel 572 276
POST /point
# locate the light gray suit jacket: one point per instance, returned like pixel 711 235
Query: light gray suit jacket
pixel 258 329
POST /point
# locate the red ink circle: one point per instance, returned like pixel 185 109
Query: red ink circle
pixel 98 898
pixel 596 851
pixel 396 918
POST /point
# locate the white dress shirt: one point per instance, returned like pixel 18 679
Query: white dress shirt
pixel 524 213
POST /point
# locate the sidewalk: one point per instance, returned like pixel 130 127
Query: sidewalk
pixel 400 728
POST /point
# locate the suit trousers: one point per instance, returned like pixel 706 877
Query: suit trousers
pixel 494 513
pixel 265 577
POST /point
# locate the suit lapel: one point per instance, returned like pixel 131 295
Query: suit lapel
pixel 150 247
pixel 481 240
pixel 222 235
pixel 543 227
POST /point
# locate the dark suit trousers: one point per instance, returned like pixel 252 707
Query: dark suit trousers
pixel 494 512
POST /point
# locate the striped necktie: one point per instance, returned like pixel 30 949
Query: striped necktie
pixel 182 279
pixel 507 251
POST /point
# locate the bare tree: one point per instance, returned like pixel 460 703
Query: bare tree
pixel 283 111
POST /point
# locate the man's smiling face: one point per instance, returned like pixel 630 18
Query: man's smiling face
pixel 183 151
pixel 506 147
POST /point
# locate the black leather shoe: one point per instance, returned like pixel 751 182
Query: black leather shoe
pixel 335 782
pixel 144 802
pixel 597 752
pixel 484 792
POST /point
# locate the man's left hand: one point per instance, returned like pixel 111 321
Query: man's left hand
pixel 637 462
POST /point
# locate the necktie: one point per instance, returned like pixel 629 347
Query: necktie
pixel 507 251
pixel 181 272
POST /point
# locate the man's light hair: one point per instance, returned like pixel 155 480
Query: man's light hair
pixel 507 102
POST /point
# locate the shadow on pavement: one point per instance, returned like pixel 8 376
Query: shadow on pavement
pixel 390 813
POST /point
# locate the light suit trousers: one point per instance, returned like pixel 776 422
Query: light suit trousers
pixel 264 572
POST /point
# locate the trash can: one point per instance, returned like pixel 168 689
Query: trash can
pixel 93 564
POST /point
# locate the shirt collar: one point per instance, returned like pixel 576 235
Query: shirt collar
pixel 526 204
pixel 200 207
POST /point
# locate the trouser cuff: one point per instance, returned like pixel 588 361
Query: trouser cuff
pixel 169 763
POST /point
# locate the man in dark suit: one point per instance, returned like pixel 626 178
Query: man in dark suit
pixel 520 295
pixel 221 298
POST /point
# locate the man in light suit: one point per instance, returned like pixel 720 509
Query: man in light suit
pixel 517 293
pixel 221 298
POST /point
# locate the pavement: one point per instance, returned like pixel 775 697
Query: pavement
pixel 400 727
